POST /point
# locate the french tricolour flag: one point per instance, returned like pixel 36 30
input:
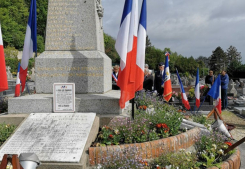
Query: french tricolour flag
pixel 126 46
pixel 167 54
pixel 3 74
pixel 183 94
pixel 215 93
pixel 30 43
pixel 197 89
pixel 167 94
pixel 17 86
pixel 140 61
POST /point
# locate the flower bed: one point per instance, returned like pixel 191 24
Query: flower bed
pixel 233 162
pixel 148 150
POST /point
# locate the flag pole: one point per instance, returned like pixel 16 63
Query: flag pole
pixel 201 104
pixel 132 108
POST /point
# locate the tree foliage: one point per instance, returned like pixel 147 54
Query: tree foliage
pixel 110 49
pixel 233 55
pixel 218 60
pixel 14 16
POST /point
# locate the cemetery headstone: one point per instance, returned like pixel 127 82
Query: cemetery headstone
pixel 233 90
pixel 9 74
pixel 33 74
pixel 229 85
pixel 237 84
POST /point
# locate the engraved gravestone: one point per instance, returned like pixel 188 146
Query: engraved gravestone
pixel 53 137
pixel 74 48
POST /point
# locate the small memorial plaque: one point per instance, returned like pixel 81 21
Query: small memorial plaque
pixel 53 137
pixel 64 97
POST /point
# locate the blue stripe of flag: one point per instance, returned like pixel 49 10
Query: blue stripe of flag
pixel 32 23
pixel 127 9
pixel 181 85
pixel 143 14
pixel 197 77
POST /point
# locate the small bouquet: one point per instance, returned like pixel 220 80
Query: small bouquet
pixel 177 95
pixel 203 89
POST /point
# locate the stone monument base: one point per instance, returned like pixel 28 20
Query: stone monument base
pixel 89 70
pixel 102 104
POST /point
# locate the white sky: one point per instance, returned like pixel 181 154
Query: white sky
pixel 188 27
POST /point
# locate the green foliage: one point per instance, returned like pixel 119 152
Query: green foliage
pixel 210 149
pixel 182 160
pixel 3 104
pixel 110 49
pixel 233 55
pixel 13 63
pixel 218 60
pixel 129 159
pixel 5 131
pixel 10 52
pixel 108 136
pixel 14 16
pixel 145 126
pixel 191 93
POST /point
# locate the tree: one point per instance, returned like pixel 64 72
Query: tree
pixel 218 60
pixel 232 55
pixel 110 49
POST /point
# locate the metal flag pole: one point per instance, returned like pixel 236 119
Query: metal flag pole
pixel 132 108
pixel 201 104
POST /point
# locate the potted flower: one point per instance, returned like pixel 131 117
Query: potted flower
pixel 191 94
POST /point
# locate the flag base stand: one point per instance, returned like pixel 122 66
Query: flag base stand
pixel 217 115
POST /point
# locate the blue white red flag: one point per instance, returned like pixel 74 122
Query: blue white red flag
pixel 167 94
pixel 140 60
pixel 183 94
pixel 3 74
pixel 197 89
pixel 126 46
pixel 17 86
pixel 30 43
pixel 167 54
pixel 114 77
pixel 215 93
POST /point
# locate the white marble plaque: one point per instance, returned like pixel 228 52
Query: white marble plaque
pixel 64 97
pixel 56 137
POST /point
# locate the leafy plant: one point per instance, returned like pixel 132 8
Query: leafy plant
pixel 182 159
pixel 3 104
pixel 5 131
pixel 108 136
pixel 129 159
pixel 210 149
pixel 191 92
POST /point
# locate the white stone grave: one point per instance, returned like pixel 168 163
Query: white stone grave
pixel 53 137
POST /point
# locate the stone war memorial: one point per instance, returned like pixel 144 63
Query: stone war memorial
pixel 74 54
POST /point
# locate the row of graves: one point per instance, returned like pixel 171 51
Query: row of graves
pixel 29 88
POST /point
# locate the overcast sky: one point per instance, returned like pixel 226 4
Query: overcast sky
pixel 188 27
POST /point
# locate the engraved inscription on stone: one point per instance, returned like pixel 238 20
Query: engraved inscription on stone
pixel 70 25
pixel 58 137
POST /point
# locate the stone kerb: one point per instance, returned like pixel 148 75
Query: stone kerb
pixel 149 149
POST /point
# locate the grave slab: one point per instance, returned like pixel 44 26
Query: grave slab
pixel 58 139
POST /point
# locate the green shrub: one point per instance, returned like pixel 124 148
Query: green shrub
pixel 5 131
pixel 3 104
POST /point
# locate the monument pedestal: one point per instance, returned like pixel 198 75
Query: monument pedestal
pixel 89 70
pixel 101 104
